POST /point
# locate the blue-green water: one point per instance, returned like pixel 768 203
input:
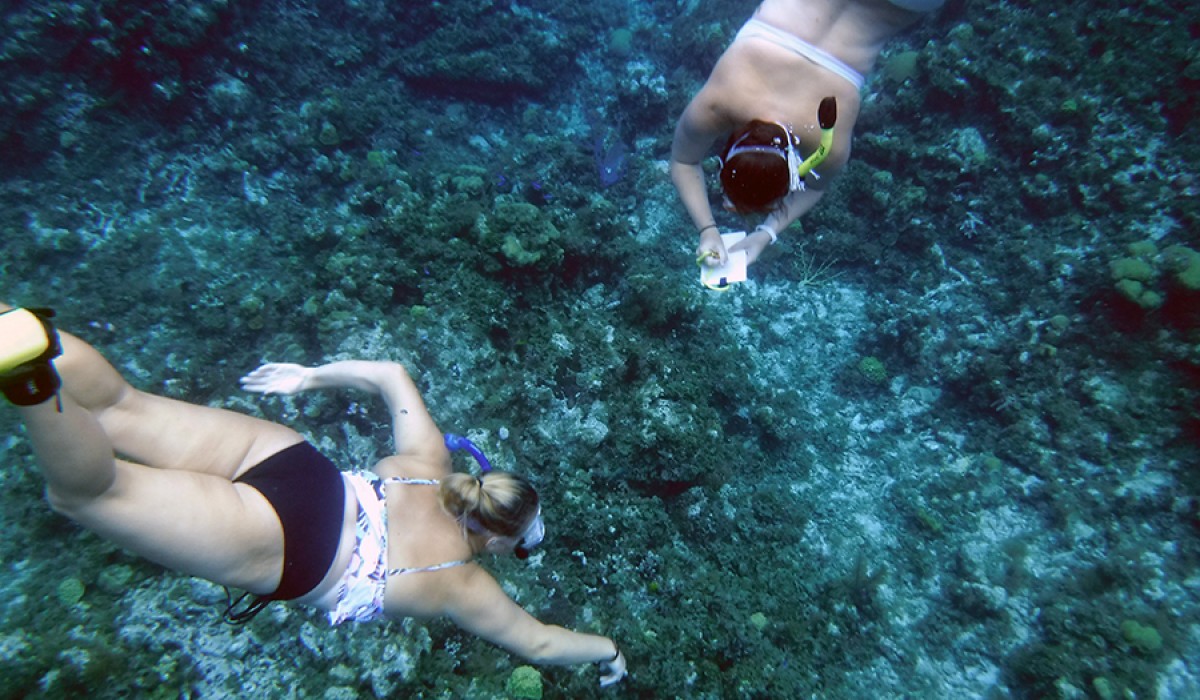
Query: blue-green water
pixel 961 463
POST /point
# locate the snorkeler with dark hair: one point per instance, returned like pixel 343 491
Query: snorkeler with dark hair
pixel 785 95
pixel 250 504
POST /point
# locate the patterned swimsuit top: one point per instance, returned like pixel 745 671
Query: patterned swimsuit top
pixel 360 590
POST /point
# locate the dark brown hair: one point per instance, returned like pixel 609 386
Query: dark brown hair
pixel 756 181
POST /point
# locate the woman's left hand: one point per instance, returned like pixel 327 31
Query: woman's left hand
pixel 753 245
pixel 277 378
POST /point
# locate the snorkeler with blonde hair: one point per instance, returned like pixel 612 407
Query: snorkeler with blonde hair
pixel 785 95
pixel 248 503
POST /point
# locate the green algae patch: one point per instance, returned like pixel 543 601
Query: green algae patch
pixel 872 369
pixel 525 683
pixel 70 591
pixel 1144 638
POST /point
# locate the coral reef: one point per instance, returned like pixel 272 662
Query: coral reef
pixel 1001 504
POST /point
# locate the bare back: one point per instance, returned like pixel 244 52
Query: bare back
pixel 420 534
pixel 757 79
pixel 853 30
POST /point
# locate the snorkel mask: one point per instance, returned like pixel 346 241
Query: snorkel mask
pixel 533 535
pixel 798 168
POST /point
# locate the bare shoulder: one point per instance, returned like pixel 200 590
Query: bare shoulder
pixel 714 110
pixel 431 594
pixel 411 467
pixel 742 66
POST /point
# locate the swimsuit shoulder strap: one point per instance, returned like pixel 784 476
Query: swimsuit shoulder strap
pixel 434 567
pixel 406 480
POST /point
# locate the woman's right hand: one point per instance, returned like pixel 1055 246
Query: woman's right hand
pixel 277 378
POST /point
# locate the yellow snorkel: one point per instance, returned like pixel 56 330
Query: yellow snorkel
pixel 826 119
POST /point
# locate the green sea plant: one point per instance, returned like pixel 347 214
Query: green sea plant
pixel 872 369
pixel 812 272
pixel 1139 276
pixel 1104 688
pixel 929 520
pixel 525 683
pixel 1184 265
pixel 1133 276
pixel 521 233
pixel 70 591
pixel 1144 638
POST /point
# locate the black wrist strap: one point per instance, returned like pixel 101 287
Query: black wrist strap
pixel 617 655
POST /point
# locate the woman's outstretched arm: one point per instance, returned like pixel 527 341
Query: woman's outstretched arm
pixel 480 606
pixel 413 428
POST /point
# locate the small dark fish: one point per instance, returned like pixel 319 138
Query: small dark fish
pixel 537 194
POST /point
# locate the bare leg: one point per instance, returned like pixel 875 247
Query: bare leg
pixel 178 507
pixel 76 467
pixel 70 444
pixel 194 522
pixel 149 429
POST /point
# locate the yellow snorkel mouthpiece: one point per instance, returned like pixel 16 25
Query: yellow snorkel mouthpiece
pixel 826 119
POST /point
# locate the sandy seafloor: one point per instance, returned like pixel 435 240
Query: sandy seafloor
pixel 944 444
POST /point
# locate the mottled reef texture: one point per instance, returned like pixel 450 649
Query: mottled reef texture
pixel 943 445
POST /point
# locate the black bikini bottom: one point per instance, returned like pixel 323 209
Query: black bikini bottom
pixel 308 494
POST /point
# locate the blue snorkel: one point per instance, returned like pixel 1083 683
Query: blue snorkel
pixel 455 443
